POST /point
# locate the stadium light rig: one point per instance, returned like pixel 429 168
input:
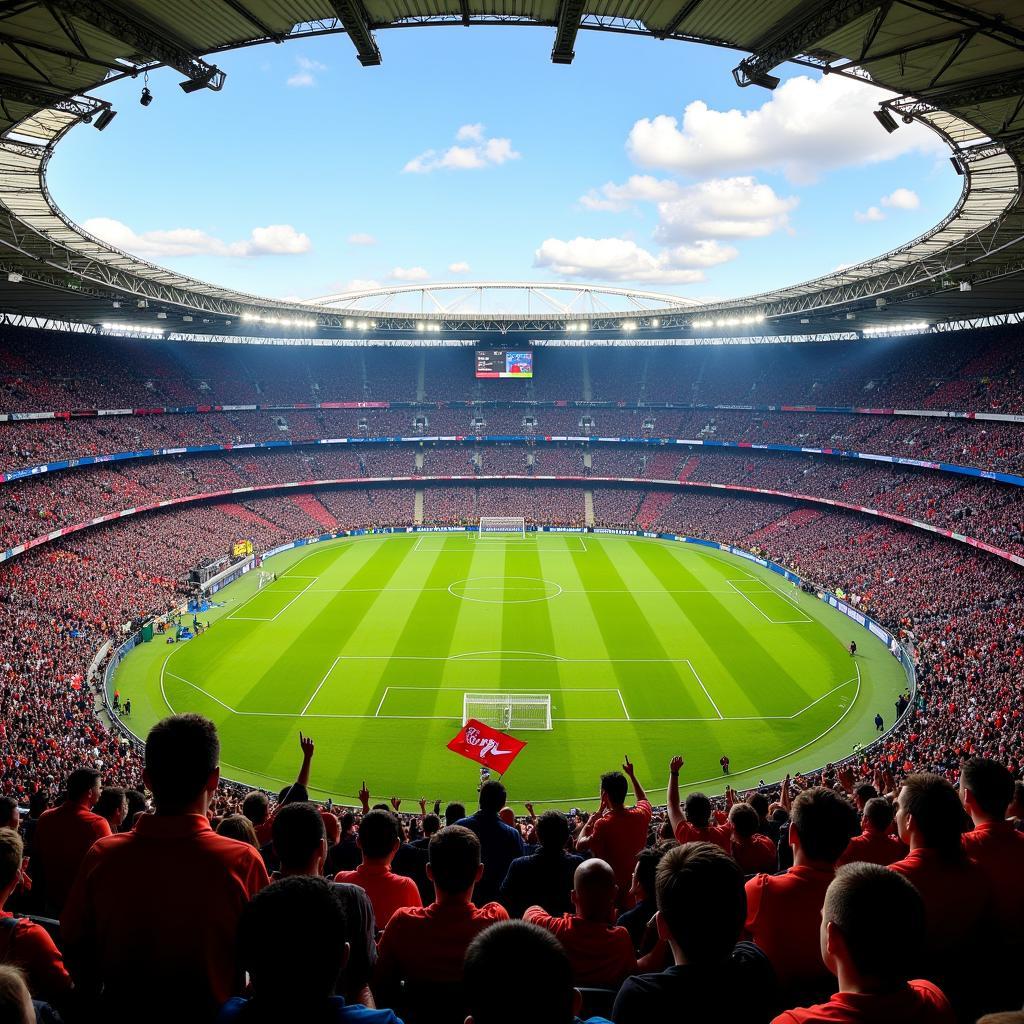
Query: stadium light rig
pixel 280 321
pixel 729 321
pixel 145 329
pixel 914 327
pixel 886 120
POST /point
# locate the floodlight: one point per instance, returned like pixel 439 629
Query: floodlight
pixel 14 277
pixel 766 81
pixel 146 98
pixel 104 118
pixel 886 120
pixel 191 85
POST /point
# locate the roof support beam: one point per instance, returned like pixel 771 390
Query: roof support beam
pixel 792 38
pixel 240 9
pixel 157 42
pixel 352 16
pixel 967 94
pixel 34 94
pixel 678 18
pixel 464 9
pixel 570 12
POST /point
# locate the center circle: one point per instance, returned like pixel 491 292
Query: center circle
pixel 504 589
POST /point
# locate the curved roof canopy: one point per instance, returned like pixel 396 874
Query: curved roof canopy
pixel 956 66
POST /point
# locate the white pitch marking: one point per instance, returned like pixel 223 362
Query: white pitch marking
pixel 623 703
pixel 292 601
pixel 761 611
pixel 320 687
pixel 188 682
pixel 700 683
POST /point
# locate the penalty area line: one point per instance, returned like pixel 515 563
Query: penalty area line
pixel 320 687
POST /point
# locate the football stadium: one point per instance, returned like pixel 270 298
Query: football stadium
pixel 484 498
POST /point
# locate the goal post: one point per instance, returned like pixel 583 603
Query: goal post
pixel 508 710
pixel 502 526
pixel 265 578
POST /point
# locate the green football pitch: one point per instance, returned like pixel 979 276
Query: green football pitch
pixel 646 647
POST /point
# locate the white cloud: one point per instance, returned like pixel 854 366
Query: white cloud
pixel 902 199
pixel 306 75
pixel 620 259
pixel 275 239
pixel 359 284
pixel 409 274
pixel 361 238
pixel 723 208
pixel 898 199
pixel 479 153
pixel 459 268
pixel 872 213
pixel 807 126
pixel 639 188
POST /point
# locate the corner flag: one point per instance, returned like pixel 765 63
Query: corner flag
pixel 480 743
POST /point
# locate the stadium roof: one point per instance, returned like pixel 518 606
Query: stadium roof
pixel 956 67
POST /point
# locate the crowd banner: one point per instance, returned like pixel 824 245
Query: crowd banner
pixel 259 489
pixel 61 465
pixel 828 410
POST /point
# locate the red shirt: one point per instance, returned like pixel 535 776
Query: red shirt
pixel 754 854
pixel 618 837
pixel 720 835
pixel 154 915
pixel 600 954
pixel 62 838
pixel 957 897
pixel 428 944
pixel 873 847
pixel 265 830
pixel 998 849
pixel 784 919
pixel 388 892
pixel 920 1002
pixel 28 945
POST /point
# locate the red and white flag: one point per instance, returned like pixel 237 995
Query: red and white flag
pixel 480 743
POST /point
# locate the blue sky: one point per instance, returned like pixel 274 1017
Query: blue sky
pixel 469 156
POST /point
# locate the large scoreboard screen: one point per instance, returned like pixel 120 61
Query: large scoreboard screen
pixel 500 362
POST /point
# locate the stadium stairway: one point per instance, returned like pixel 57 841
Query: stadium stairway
pixel 651 508
pixel 246 515
pixel 315 510
pixel 797 518
pixel 688 468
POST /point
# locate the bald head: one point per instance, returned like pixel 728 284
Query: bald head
pixel 594 890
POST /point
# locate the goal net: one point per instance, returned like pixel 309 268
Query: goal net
pixel 502 526
pixel 508 710
pixel 265 578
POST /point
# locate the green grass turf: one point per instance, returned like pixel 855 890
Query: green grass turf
pixel 368 645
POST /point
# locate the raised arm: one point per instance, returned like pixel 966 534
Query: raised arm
pixel 638 790
pixel 302 779
pixel 675 811
pixel 364 798
pixel 583 839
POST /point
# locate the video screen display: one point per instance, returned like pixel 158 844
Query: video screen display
pixel 502 362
